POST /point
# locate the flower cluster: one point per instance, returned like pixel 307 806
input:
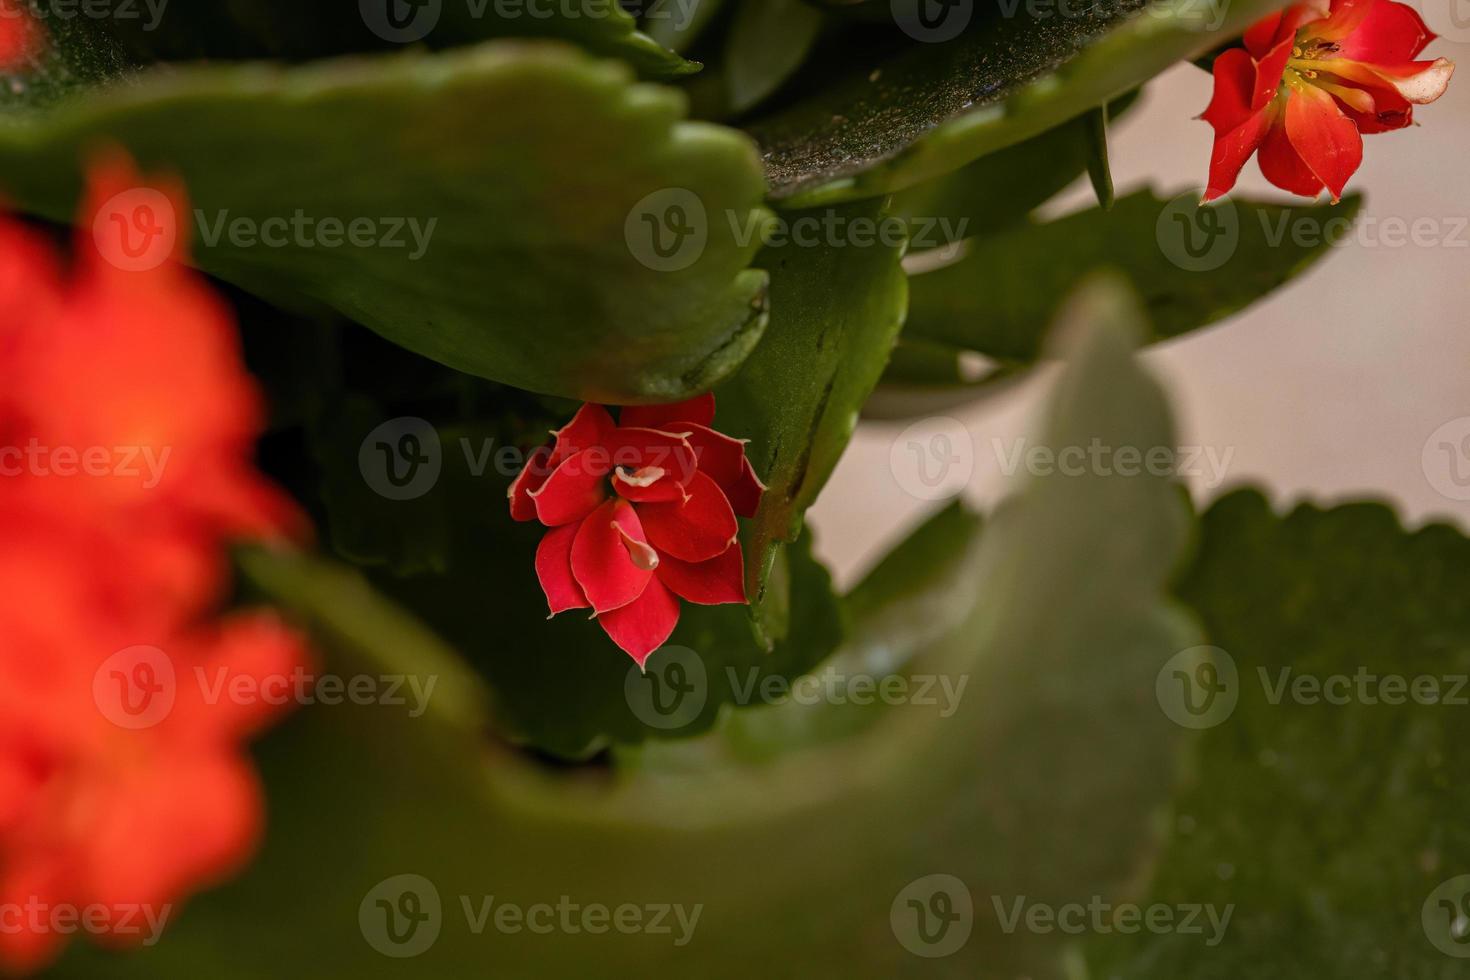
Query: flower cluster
pixel 120 789
pixel 1310 80
pixel 642 513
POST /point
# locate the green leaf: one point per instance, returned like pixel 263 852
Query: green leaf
pixel 768 41
pixel 1099 170
pixel 999 297
pixel 884 124
pixel 678 24
pixel 204 29
pixel 787 861
pixel 837 303
pixel 544 173
pixel 1328 820
pixel 1000 189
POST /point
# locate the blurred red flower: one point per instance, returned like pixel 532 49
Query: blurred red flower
pixel 1310 80
pixel 126 426
pixel 642 513
pixel 21 37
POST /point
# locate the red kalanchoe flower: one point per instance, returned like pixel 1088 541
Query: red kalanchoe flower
pixel 126 426
pixel 21 37
pixel 1310 80
pixel 642 513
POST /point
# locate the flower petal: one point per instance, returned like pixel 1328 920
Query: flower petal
pixel 1346 18
pixel 601 560
pixel 1324 137
pixel 715 582
pixel 652 484
pixel 698 411
pixel 572 490
pixel 554 570
pixel 1235 80
pixel 643 625
pixel 1232 151
pixel 589 427
pixel 1387 33
pixel 1284 167
pixel 636 448
pixel 694 530
pixel 531 477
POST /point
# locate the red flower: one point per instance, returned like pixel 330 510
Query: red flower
pixel 642 514
pixel 1310 80
pixel 126 426
pixel 21 38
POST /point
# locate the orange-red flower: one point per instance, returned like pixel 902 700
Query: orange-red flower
pixel 642 513
pixel 21 37
pixel 126 427
pixel 1309 81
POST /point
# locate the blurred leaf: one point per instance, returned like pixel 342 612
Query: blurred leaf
pixel 999 297
pixel 540 170
pixel 678 24
pixel 1327 825
pixel 767 42
pixel 837 307
pixel 797 861
pixel 886 123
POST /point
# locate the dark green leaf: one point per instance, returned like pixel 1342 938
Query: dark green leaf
pixel 1194 267
pixel 837 302
pixel 886 123
pixel 767 42
pixel 1326 820
pixel 546 175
